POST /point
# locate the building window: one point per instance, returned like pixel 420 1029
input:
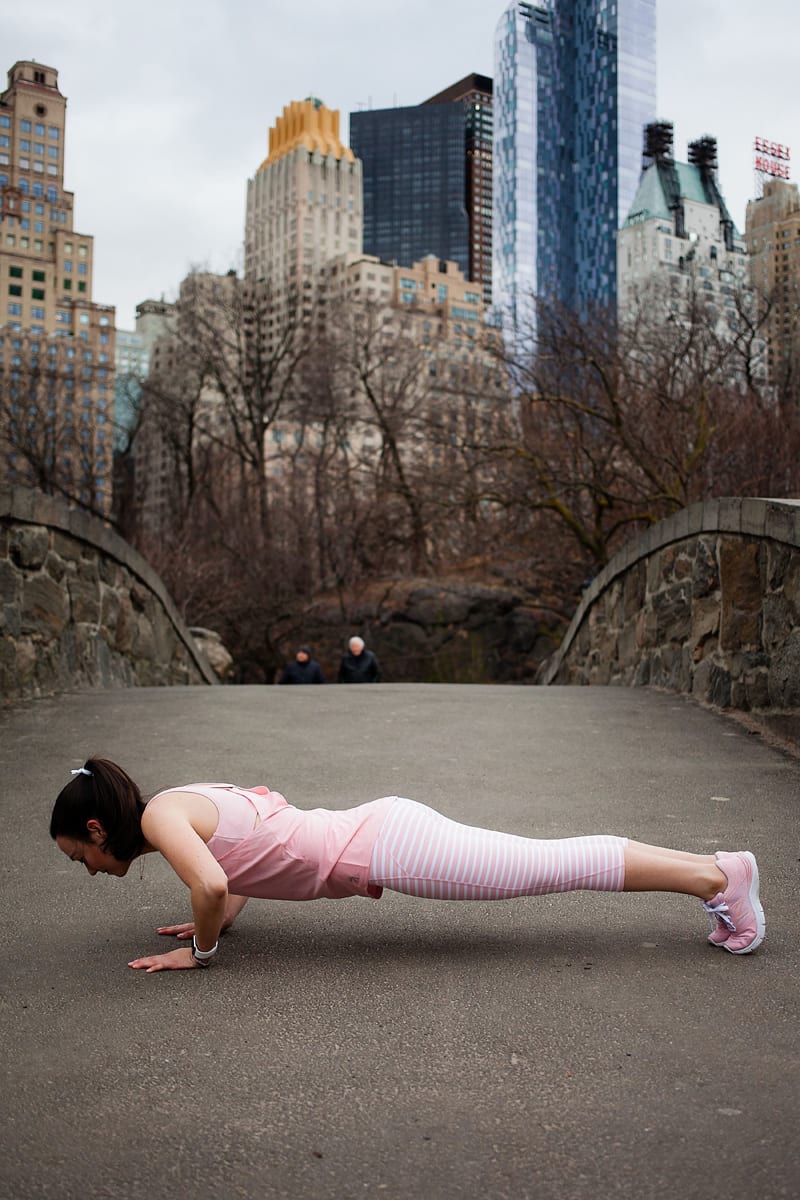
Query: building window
pixel 38 276
pixel 15 272
pixel 52 151
pixel 14 310
pixel 52 132
pixel 25 126
pixel 67 285
pixel 37 293
pixel 68 265
pixel 81 286
pixel 37 314
pixel 14 289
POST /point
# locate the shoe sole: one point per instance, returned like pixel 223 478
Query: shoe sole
pixel 757 909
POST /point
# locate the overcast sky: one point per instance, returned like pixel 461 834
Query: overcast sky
pixel 170 101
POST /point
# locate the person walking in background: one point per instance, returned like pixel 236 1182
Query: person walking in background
pixel 304 669
pixel 359 665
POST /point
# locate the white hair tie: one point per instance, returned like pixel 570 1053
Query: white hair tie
pixel 81 771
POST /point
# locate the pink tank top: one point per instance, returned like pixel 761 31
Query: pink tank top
pixel 269 848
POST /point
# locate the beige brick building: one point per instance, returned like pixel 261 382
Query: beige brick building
pixel 772 230
pixel 304 205
pixel 57 344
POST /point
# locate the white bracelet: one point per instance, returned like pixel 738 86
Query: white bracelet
pixel 202 956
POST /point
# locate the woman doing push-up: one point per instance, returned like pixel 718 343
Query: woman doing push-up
pixel 229 843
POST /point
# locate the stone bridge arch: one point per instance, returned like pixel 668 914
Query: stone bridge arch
pixel 706 602
pixel 79 607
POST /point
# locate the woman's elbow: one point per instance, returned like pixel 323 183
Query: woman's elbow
pixel 211 891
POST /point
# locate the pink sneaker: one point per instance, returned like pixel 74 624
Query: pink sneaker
pixel 720 932
pixel 737 910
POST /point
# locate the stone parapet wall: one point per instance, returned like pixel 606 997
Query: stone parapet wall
pixel 706 603
pixel 80 608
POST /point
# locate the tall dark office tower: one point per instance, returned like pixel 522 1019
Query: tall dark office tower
pixel 575 83
pixel 427 172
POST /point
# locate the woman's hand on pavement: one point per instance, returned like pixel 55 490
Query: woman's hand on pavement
pixel 186 930
pixel 173 960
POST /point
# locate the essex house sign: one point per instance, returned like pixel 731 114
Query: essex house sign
pixel 771 158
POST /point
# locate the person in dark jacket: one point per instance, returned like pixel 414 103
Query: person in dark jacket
pixel 304 669
pixel 359 665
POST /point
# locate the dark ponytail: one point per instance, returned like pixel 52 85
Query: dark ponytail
pixel 107 795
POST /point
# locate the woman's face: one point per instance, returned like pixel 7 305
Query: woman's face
pixel 91 852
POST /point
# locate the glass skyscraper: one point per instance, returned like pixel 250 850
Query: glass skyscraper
pixel 427 175
pixel 575 83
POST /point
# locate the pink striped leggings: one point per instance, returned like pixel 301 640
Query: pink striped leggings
pixel 422 853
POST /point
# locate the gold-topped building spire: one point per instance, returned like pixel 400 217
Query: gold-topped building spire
pixel 304 204
pixel 309 125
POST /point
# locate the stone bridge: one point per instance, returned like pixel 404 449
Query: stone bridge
pixel 80 608
pixel 706 602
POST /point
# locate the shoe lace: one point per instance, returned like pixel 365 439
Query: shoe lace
pixel 719 912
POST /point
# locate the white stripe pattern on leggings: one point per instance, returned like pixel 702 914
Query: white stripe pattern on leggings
pixel 422 853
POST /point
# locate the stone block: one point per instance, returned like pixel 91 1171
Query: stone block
pixel 55 566
pixel 756 685
pixel 684 563
pixel 740 579
pixel 791 583
pixel 778 619
pixel 10 620
pixel 710 518
pixel 29 546
pixel 654 574
pixel 84 595
pixel 66 547
pixel 779 563
pixel 44 608
pixel 109 609
pixel 730 515
pixel 705 572
pixel 779 523
pixel 144 642
pixel 704 620
pixel 694 518
pixel 633 590
pixel 673 613
pixel 753 517
pixel 784 673
pixel 10 583
pixel 88 567
pixel 125 627
pixel 719 687
pixel 139 595
pixel 109 571
pixel 682 524
pixel 25 660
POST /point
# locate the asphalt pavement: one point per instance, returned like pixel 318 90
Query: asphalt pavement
pixel 556 1048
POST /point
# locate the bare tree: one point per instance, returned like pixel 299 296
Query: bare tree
pixel 52 437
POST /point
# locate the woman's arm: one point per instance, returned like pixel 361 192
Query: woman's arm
pixel 233 907
pixel 168 828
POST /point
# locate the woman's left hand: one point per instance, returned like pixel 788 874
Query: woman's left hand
pixel 173 960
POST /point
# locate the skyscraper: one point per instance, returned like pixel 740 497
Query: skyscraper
pixel 303 204
pixel 428 179
pixel 679 247
pixel 574 86
pixel 59 397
